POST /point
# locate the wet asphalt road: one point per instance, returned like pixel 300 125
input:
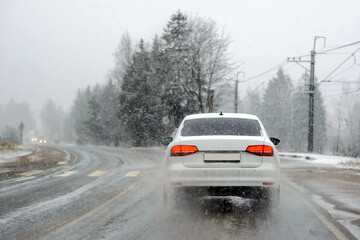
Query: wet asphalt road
pixel 108 193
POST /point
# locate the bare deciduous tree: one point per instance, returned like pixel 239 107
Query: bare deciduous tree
pixel 210 59
pixel 123 56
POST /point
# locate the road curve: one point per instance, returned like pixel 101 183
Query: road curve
pixel 116 193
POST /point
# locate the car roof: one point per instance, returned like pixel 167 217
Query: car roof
pixel 221 115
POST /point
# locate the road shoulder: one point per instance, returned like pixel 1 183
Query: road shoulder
pixel 334 189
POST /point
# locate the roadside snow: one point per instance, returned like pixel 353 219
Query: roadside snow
pixel 10 156
pixel 343 162
pixel 344 218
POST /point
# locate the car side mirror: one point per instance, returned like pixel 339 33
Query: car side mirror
pixel 275 141
pixel 166 141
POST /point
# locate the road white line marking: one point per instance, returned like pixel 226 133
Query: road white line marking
pixel 4 171
pixel 30 173
pixel 97 173
pixel 10 180
pixel 132 174
pixel 331 226
pixel 65 174
pixel 62 163
pixel 39 171
pixel 95 209
pixel 23 179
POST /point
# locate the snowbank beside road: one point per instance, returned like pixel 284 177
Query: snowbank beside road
pixel 344 162
pixel 9 156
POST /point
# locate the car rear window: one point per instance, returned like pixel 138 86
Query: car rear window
pixel 221 126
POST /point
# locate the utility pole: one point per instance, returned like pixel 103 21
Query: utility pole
pixel 311 91
pixel 236 90
pixel 236 95
pixel 311 102
pixel 21 129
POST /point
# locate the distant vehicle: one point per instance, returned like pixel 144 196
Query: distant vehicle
pixel 221 155
pixel 42 140
pixel 81 140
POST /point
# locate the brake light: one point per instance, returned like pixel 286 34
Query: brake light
pixel 183 150
pixel 260 150
pixel 268 183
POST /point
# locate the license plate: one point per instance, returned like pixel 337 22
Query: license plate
pixel 222 157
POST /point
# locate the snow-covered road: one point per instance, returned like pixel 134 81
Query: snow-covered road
pixel 116 193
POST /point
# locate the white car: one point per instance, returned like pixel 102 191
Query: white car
pixel 221 154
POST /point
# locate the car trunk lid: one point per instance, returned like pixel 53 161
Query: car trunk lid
pixel 222 151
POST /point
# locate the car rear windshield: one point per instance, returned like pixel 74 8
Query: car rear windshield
pixel 221 126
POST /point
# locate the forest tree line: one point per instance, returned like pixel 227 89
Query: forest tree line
pixel 188 69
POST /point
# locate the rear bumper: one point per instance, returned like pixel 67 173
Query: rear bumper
pixel 267 175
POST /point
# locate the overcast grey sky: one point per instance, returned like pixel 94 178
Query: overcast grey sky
pixel 50 48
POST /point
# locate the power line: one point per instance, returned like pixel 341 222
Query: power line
pixel 337 53
pixel 342 63
pixel 345 70
pixel 342 82
pixel 281 64
pixel 342 94
pixel 267 76
pixel 276 67
pixel 285 69
pixel 336 48
pixel 250 94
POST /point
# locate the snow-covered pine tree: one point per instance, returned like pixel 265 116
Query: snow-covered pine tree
pixel 300 118
pixel 79 112
pixel 158 73
pixel 93 121
pixel 252 102
pixel 137 100
pixel 51 117
pixel 276 108
pixel 179 98
pixel 108 99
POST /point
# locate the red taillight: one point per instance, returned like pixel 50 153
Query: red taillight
pixel 268 183
pixel 260 150
pixel 183 150
pixel 86 138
